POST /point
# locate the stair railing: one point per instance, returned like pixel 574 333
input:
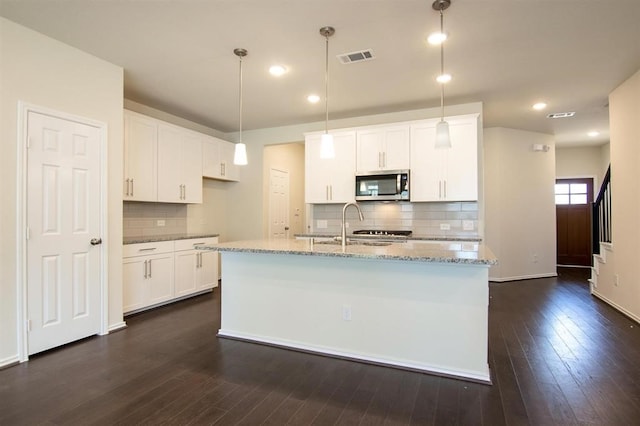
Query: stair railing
pixel 602 214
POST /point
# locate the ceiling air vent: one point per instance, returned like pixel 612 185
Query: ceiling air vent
pixel 561 115
pixel 362 55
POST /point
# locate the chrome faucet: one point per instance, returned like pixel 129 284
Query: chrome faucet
pixel 343 235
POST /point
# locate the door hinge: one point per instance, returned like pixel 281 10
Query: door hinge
pixel 28 325
pixel 27 233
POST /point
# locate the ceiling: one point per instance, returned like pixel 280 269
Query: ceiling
pixel 178 56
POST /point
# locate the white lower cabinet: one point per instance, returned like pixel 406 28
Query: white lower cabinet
pixel 147 275
pixel 196 270
pixel 156 273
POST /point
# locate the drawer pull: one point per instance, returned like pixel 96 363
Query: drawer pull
pixel 148 249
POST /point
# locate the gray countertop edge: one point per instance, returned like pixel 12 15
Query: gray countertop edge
pixel 167 237
pixel 431 259
pixel 394 237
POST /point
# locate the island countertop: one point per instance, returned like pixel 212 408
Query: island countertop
pixel 458 252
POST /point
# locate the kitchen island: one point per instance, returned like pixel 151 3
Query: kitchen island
pixel 416 305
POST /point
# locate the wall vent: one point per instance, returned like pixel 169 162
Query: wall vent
pixel 561 114
pixel 359 56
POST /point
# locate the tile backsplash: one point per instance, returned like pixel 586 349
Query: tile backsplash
pixel 147 219
pixel 424 219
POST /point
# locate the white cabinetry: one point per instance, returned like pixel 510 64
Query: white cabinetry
pixel 147 275
pixel 330 180
pixel 157 273
pixel 445 174
pixel 140 153
pixel 217 159
pixel 383 148
pixel 195 270
pixel 179 165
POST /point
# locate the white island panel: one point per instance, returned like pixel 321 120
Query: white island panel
pixel 427 316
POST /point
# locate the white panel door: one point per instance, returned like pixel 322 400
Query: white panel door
pixel 63 216
pixel 278 203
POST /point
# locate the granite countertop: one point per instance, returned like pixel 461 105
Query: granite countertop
pixel 393 237
pixel 166 237
pixel 470 253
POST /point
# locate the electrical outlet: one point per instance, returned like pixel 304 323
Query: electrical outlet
pixel 160 222
pixel 321 224
pixel 616 280
pixel 346 312
pixel 534 258
pixel 467 225
pixel 445 227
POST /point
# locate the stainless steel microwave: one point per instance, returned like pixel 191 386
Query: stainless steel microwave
pixel 383 186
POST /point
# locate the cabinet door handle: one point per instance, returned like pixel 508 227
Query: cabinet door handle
pixel 223 168
pixel 150 268
pixel 184 189
pixel 200 260
pixel 384 159
pixel 379 159
pixel 331 192
pixel 132 187
pixel 126 191
pixel 445 189
pixel 439 189
pixel 326 192
pixel 145 268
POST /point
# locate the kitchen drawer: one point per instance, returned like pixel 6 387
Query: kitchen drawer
pixel 145 249
pixel 190 244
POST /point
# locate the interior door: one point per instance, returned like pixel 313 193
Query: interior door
pixel 63 217
pixel 278 203
pixel 574 199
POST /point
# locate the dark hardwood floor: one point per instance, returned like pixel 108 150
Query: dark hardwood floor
pixel 558 357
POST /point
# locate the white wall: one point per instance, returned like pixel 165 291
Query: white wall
pixel 245 202
pixel 581 162
pixel 44 72
pixel 520 217
pixel 624 119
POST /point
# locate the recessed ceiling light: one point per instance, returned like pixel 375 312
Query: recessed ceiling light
pixel 314 99
pixel 277 70
pixel 443 78
pixel 593 134
pixel 539 106
pixel 437 38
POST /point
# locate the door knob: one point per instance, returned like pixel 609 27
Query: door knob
pixel 96 241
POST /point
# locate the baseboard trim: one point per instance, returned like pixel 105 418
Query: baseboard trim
pixel 523 277
pixel 472 376
pixel 615 306
pixel 117 327
pixel 9 362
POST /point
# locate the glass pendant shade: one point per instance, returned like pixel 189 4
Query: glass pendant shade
pixel 240 155
pixel 442 135
pixel 327 149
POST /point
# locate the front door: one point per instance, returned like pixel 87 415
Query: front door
pixel 63 216
pixel 574 199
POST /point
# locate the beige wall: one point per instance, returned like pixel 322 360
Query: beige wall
pixel 286 157
pixel 579 162
pixel 520 219
pixel 622 261
pixel 44 72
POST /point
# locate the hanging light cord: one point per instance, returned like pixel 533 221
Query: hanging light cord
pixel 441 65
pixel 326 85
pixel 240 101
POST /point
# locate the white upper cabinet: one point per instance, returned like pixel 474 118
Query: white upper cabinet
pixel 383 148
pixel 217 159
pixel 330 180
pixel 179 165
pixel 140 153
pixel 449 174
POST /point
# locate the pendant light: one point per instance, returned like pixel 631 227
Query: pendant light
pixel 240 153
pixel 327 149
pixel 443 139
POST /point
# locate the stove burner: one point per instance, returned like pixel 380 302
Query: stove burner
pixel 382 232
